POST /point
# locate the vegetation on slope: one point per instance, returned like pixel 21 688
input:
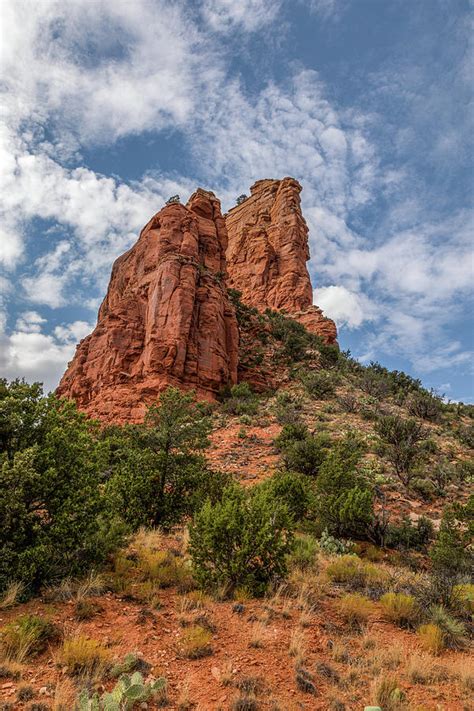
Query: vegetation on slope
pixel 326 527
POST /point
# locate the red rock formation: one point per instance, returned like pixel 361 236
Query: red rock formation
pixel 166 318
pixel 268 251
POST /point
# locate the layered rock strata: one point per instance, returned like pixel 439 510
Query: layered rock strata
pixel 267 254
pixel 166 318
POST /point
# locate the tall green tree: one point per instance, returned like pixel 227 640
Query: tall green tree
pixel 54 514
pixel 158 470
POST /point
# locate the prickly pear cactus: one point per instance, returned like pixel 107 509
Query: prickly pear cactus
pixel 128 691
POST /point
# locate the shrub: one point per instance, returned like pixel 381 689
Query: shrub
pixel 399 608
pixel 431 638
pixel 465 433
pixel 242 401
pixel 196 642
pixel 424 404
pixel 408 535
pixel 344 504
pixel 320 384
pixel 348 402
pixel 462 597
pixel 451 553
pixel 291 433
pixel 81 655
pixel 401 442
pixel 240 541
pixel 287 408
pixel 295 339
pixel 454 632
pixel 55 517
pixel 355 609
pixel 307 455
pixel 294 490
pixel 26 636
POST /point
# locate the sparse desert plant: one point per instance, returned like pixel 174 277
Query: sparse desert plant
pixel 351 571
pixel 258 635
pixel 304 553
pixel 25 693
pixel 387 693
pixel 305 681
pixel 454 632
pixel 431 638
pixel 334 546
pixel 196 642
pixel 10 670
pixel 26 636
pixel 399 608
pixel 245 703
pixel 86 609
pixel 355 609
pixel 82 655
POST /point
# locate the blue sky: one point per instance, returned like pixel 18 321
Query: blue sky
pixel 109 107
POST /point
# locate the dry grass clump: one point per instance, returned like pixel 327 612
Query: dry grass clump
pixel 399 608
pixel 431 638
pixel 11 595
pixel 194 600
pixel 297 646
pixel 258 635
pixel 387 694
pixel 463 670
pixel 65 696
pixel 351 571
pixel 196 642
pixel 422 669
pixel 25 637
pixel 355 609
pixel 10 670
pixel 81 655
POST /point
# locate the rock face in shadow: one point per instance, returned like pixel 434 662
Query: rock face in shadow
pixel 166 318
pixel 267 254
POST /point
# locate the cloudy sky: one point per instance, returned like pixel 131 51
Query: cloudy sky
pixel 108 107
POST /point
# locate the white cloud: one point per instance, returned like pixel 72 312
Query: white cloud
pixel 343 306
pixel 152 63
pixel 36 356
pixel 251 15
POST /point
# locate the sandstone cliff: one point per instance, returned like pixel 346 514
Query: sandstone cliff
pixel 268 251
pixel 166 318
